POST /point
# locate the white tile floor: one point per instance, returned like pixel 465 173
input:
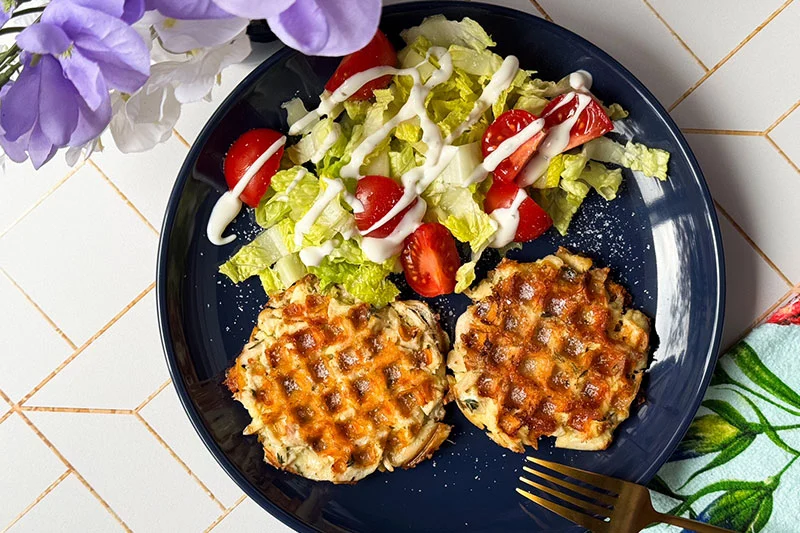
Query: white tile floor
pixel 103 445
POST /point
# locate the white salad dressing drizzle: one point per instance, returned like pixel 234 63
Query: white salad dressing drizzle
pixel 329 140
pixel 284 196
pixel 501 80
pixel 556 141
pixel 505 149
pixel 312 256
pixel 332 189
pixel 228 205
pixel 507 219
pixel 379 250
pixel 580 81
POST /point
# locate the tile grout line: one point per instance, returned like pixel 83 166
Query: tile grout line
pixel 5 397
pixel 771 309
pixel 124 198
pixel 780 151
pixel 39 498
pixel 150 398
pixel 90 410
pixel 180 461
pixel 85 345
pixel 44 197
pixel 750 133
pixel 781 118
pixel 675 34
pixel 730 54
pixel 64 460
pixel 227 511
pixel 181 138
pixel 750 241
pixel 541 10
pixel 39 309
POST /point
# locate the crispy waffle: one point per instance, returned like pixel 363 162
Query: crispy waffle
pixel 549 349
pixel 337 389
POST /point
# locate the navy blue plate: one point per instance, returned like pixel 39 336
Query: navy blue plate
pixel 660 238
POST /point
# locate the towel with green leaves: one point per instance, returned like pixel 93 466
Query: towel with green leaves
pixel 738 465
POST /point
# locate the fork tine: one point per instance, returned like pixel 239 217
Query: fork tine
pixel 604 482
pixel 582 504
pixel 599 496
pixel 590 522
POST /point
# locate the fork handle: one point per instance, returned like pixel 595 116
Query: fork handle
pixel 691 525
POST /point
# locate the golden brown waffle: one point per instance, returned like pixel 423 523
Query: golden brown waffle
pixel 549 349
pixel 337 389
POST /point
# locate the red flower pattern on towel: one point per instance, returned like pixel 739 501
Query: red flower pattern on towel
pixel 788 314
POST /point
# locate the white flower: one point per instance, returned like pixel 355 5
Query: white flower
pixel 74 153
pixel 185 35
pixel 144 119
pixel 194 77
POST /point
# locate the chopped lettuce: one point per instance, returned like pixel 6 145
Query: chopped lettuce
pixel 442 32
pixel 616 112
pixel 652 162
pixel 363 279
pixel 560 204
pixel 260 254
pixel 465 276
pixel 602 179
pixel 312 147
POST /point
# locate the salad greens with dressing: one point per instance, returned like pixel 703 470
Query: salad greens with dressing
pixel 308 210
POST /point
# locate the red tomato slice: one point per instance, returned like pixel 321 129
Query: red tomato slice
pixel 243 153
pixel 378 194
pixel 430 260
pixel 379 51
pixel 505 126
pixel 592 123
pixel 533 220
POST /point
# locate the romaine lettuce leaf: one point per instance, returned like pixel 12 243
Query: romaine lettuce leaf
pixel 440 31
pixel 652 162
pixel 260 254
pixel 366 281
pixel 560 204
pixel 602 179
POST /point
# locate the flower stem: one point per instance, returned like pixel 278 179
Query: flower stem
pixel 9 55
pixel 5 76
pixel 28 11
pixel 13 29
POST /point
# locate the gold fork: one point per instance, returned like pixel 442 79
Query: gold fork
pixel 613 505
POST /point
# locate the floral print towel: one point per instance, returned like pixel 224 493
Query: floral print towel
pixel 738 465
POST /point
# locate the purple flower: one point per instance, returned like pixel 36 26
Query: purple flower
pixel 315 27
pixel 6 10
pixel 71 59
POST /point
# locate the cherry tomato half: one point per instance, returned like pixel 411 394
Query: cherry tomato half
pixel 378 52
pixel 592 122
pixel 505 126
pixel 430 260
pixel 533 220
pixel 243 153
pixel 378 194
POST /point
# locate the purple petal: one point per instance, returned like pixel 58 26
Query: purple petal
pixel 6 9
pixel 40 148
pixel 58 111
pixel 184 35
pixel 91 123
pixel 15 150
pixel 117 49
pixel 253 9
pixel 43 38
pixel 190 9
pixel 327 27
pixel 20 105
pixel 86 77
pixel 133 11
pixel 115 8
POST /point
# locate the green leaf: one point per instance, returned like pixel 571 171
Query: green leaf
pixel 726 485
pixel 706 434
pixel 766 427
pixel 752 366
pixel 727 412
pixel 740 510
pixel 659 485
pixel 731 450
pixel 721 377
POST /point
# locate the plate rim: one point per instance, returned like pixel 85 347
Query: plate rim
pixel 711 354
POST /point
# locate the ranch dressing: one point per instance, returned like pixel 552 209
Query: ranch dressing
pixel 284 196
pixel 580 81
pixel 332 189
pixel 379 250
pixel 556 141
pixel 504 150
pixel 229 204
pixel 501 80
pixel 312 256
pixel 507 219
